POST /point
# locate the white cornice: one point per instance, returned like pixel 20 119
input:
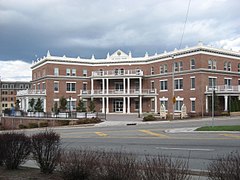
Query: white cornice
pixel 200 49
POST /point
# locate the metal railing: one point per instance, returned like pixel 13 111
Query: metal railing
pixel 31 92
pixel 223 88
pixel 118 72
pixel 119 91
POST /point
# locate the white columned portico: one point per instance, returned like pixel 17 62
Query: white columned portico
pixel 225 102
pixel 128 105
pixel 124 105
pixel 206 103
pixel 103 105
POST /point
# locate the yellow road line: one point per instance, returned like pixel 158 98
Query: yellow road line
pixel 101 134
pixel 232 135
pixel 153 133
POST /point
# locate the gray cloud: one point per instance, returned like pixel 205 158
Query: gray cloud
pixel 73 28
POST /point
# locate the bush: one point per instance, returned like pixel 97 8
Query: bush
pixel 149 117
pixel 88 121
pixel 117 165
pixel 32 125
pixel 79 164
pixel 43 124
pixel 46 150
pixel 22 126
pixel 164 168
pixel 14 149
pixel 63 122
pixel 225 167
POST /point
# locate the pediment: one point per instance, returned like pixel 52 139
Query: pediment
pixel 119 55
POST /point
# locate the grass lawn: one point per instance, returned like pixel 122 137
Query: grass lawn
pixel 219 128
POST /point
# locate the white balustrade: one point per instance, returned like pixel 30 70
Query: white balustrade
pixel 118 72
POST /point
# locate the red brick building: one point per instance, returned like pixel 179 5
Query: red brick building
pixel 125 84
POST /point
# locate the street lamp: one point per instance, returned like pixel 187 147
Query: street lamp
pixel 70 106
pixel 173 95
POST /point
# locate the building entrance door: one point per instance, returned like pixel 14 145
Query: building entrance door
pixel 118 106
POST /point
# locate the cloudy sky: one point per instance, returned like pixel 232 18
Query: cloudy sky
pixel 28 28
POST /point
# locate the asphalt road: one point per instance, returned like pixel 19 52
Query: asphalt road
pixel 152 139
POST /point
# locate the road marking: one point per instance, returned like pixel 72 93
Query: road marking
pixel 231 135
pixel 153 133
pixel 101 134
pixel 184 149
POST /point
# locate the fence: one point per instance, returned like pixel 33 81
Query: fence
pixel 65 115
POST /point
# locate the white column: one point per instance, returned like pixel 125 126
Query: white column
pixel 27 104
pixel 206 103
pixel 225 102
pixel 124 105
pixel 128 105
pixel 129 86
pixel 92 86
pixel 155 101
pixel 44 104
pixel 124 86
pixel 107 103
pixel 107 85
pixel 140 85
pixel 140 105
pixel 103 105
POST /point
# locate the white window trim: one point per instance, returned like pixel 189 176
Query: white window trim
pixel 160 85
pixel 75 87
pixel 174 84
pixel 58 86
pixel 193 77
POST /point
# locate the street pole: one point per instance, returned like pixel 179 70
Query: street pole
pixel 173 95
pixel 213 107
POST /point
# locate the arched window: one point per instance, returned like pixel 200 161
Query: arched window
pixel 225 66
pixel 229 66
pixel 152 70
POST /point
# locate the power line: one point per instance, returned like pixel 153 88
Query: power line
pixel 180 44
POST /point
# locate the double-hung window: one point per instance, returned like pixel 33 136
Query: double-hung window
pixel 56 71
pixel 192 64
pixel 178 84
pixel 71 87
pixel 163 85
pixel 192 82
pixel 56 86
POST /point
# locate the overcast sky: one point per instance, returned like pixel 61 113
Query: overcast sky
pixel 28 28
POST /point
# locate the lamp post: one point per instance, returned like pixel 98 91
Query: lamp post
pixel 70 106
pixel 173 95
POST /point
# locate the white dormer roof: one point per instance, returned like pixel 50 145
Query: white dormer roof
pixel 119 55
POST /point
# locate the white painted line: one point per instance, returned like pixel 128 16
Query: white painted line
pixel 184 149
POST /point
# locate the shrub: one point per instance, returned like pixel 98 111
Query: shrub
pixel 63 122
pixel 118 165
pixel 22 126
pixel 88 120
pixel 79 164
pixel 32 125
pixel 149 117
pixel 225 167
pixel 14 149
pixel 43 124
pixel 164 168
pixel 46 150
